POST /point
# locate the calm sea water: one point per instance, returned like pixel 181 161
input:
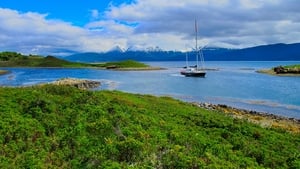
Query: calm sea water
pixel 235 83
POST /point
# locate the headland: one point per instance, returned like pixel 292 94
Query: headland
pixel 289 70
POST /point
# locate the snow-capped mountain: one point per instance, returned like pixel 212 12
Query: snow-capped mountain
pixel 117 49
pixel 144 48
pixel 271 52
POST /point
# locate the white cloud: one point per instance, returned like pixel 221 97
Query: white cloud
pixel 251 4
pixel 26 32
pixel 110 28
pixel 235 23
pixel 163 23
pixel 95 14
pixel 33 33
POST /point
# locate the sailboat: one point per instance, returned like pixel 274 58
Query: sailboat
pixel 195 71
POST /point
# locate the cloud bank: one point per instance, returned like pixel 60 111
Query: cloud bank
pixel 163 23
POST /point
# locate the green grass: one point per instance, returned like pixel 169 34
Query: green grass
pixel 63 127
pixel 292 66
pixel 12 59
pixel 125 64
pixel 38 61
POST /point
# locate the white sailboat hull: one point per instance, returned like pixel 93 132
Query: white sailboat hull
pixel 192 72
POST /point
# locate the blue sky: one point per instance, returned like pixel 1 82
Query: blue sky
pixel 78 12
pixel 62 27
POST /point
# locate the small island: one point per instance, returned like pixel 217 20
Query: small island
pixel 289 70
pixel 3 72
pixel 13 59
pixel 127 65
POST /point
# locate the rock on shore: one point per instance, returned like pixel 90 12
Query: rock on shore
pixel 263 119
pixel 283 70
pixel 78 83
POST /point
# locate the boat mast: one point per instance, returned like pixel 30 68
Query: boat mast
pixel 196 39
pixel 186 60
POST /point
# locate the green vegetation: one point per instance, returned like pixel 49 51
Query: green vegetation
pixel 288 70
pixel 3 72
pixel 6 56
pixel 292 66
pixel 53 126
pixel 124 64
pixel 13 59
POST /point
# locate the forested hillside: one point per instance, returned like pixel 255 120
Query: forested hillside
pixel 14 59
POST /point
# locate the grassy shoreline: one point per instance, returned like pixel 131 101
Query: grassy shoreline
pixel 271 72
pixel 63 127
pixel 139 69
pixel 288 70
pixel 12 59
pixel 263 119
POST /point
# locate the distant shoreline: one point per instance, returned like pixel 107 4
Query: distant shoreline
pixel 89 67
pixel 3 72
pixel 271 72
pixel 13 59
pixel 138 69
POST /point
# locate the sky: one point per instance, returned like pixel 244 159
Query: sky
pixel 62 27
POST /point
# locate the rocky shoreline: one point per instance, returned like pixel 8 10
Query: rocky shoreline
pixel 78 83
pixel 261 118
pixel 284 70
pixel 281 71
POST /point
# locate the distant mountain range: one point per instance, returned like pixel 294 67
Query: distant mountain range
pixel 272 52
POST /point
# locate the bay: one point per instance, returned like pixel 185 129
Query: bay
pixel 233 83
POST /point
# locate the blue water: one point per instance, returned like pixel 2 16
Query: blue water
pixel 235 83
